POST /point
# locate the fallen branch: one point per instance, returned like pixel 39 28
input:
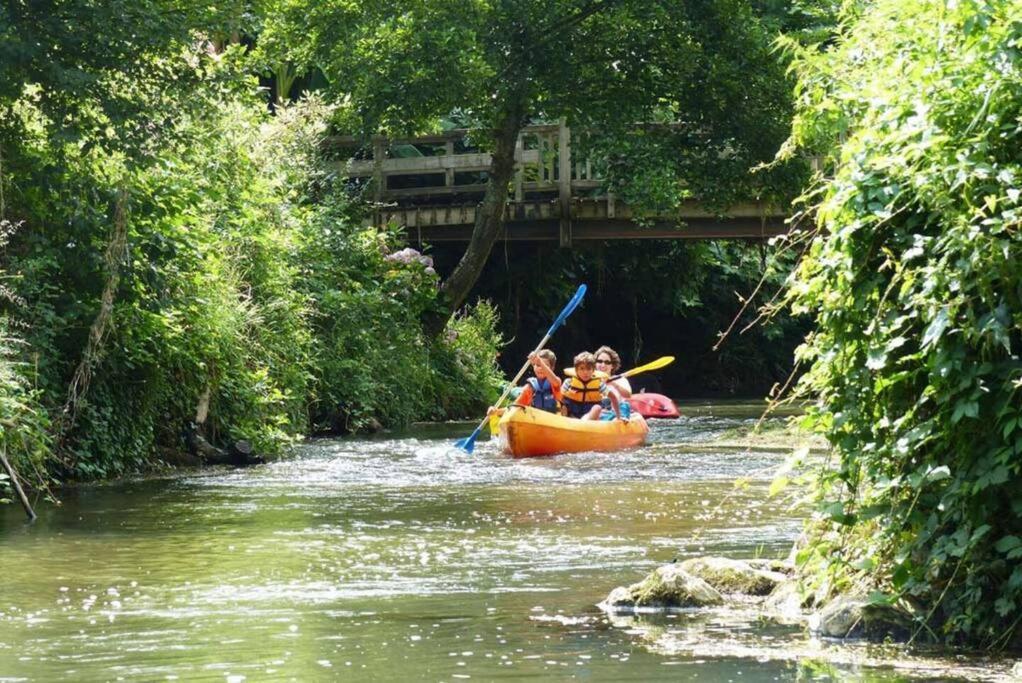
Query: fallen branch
pixel 16 485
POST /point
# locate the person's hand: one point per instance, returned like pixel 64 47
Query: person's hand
pixel 491 410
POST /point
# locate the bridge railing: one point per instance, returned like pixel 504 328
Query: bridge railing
pixel 443 164
pixel 431 185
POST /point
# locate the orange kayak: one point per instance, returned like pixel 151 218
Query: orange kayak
pixel 526 432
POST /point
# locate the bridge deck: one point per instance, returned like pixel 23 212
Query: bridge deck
pixel 432 184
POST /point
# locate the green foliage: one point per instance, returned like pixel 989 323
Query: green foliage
pixel 915 285
pixel 206 297
pixel 466 378
pixel 24 423
pixel 112 75
pixel 371 359
pixel 703 70
pixel 236 284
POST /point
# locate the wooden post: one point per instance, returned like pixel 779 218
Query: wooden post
pixel 17 485
pixel 449 171
pixel 519 169
pixel 379 152
pixel 564 181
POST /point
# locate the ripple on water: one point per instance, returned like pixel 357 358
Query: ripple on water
pixel 399 558
pixel 329 465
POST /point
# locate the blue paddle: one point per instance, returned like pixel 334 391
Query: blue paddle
pixel 469 442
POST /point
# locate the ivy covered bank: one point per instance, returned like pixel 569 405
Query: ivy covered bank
pixel 914 280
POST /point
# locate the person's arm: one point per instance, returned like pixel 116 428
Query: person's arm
pixel 623 386
pixel 524 398
pixel 615 402
pixel 547 373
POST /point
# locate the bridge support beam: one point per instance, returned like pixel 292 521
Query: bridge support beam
pixel 564 182
pixel 613 229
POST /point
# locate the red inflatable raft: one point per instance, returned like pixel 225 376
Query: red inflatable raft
pixel 653 405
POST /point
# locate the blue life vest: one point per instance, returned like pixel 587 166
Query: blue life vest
pixel 543 395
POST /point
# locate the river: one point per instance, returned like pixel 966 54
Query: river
pixel 398 558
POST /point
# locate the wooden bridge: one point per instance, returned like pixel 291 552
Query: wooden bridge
pixel 432 185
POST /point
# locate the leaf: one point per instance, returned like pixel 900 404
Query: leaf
pixel 864 564
pixel 1004 606
pixel 881 598
pixel 935 330
pixel 901 574
pixel 937 474
pixel 895 343
pixel 836 512
pixel 979 533
pixel 1010 546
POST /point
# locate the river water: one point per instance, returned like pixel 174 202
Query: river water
pixel 400 558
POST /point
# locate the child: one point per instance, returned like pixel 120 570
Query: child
pixel 543 390
pixel 583 394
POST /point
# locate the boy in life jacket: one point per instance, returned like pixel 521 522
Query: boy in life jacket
pixel 543 389
pixel 583 393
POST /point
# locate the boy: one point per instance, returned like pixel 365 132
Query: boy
pixel 543 390
pixel 583 394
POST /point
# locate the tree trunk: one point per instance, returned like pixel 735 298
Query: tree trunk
pixel 488 226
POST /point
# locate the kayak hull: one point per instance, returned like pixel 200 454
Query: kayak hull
pixel 528 432
pixel 653 405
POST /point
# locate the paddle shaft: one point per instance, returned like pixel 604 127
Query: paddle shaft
pixel 654 365
pixel 514 382
pixel 661 362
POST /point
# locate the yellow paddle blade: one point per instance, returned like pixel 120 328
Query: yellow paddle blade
pixel 654 365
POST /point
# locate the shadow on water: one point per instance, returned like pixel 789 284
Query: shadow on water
pixel 400 557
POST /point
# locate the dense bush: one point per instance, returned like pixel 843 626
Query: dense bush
pixel 915 284
pixel 243 277
pixel 24 423
pixel 371 360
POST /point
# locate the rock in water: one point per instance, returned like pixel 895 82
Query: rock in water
pixel 733 576
pixel 668 586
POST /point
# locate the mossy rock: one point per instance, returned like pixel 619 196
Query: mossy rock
pixel 668 586
pixel 854 617
pixel 734 576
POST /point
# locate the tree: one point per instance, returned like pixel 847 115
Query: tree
pixel 701 69
pixel 104 84
pixel 107 74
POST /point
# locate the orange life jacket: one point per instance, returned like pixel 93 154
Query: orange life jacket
pixel 579 397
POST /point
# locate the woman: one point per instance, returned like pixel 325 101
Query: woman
pixel 608 361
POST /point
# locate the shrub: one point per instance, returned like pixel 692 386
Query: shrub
pixel 915 284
